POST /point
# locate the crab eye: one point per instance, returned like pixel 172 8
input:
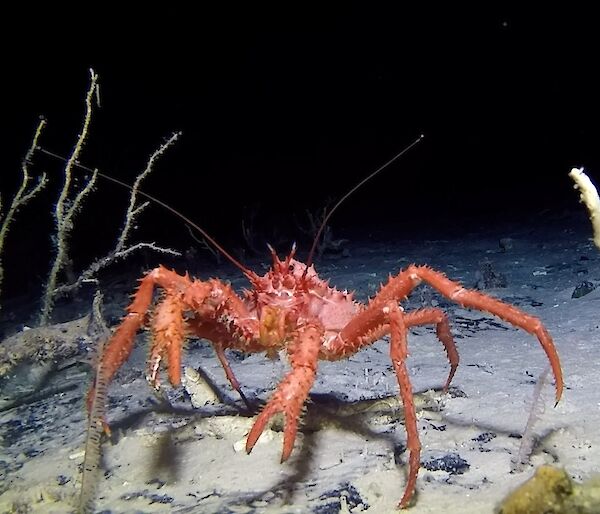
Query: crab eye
pixel 291 268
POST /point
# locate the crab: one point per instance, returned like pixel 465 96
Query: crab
pixel 291 309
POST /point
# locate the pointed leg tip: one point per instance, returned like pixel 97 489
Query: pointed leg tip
pixel 406 500
pixel 446 387
pixel 250 407
pixel 287 451
pixel 257 429
pixel 403 504
pixel 251 440
pixel 558 394
pixel 249 448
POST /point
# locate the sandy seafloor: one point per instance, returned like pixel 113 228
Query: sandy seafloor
pixel 182 459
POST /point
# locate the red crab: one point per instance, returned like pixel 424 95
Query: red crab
pixel 290 308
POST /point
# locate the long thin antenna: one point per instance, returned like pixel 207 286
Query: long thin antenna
pixel 205 234
pixel 343 198
pixel 211 240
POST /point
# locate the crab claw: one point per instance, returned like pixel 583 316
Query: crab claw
pixel 287 400
pixel 289 432
pixel 292 391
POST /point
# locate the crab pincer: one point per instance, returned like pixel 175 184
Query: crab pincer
pixel 293 390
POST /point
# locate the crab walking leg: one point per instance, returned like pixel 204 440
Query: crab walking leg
pixel 230 376
pixel 291 393
pixel 118 349
pixel 473 299
pixel 368 327
pixel 219 340
pixel 399 354
pixel 121 343
pixel 442 329
pixel 168 333
pixel 359 330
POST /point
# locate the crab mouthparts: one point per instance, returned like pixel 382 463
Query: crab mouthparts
pixel 272 326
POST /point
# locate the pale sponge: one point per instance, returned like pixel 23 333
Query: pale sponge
pixel 589 196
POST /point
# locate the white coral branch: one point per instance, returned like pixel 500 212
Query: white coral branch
pixel 589 196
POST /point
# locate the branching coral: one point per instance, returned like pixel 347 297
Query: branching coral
pixel 25 193
pixel 70 202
